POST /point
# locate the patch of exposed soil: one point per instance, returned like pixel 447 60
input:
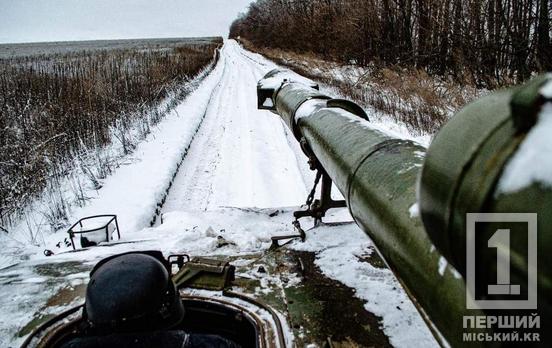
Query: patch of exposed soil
pixel 328 312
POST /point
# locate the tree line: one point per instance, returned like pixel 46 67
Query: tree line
pixel 487 42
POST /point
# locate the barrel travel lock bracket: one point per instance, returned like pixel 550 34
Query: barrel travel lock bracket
pixel 315 208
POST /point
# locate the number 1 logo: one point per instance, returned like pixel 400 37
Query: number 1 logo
pixel 500 240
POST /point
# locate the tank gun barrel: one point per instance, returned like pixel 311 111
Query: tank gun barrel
pixel 413 201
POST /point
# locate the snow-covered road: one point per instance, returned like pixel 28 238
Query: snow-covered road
pixel 234 159
pixel 241 156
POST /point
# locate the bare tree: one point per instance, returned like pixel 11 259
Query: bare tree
pixel 487 42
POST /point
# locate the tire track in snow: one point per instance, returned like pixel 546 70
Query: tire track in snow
pixel 261 66
pixel 241 156
pixel 189 188
pixel 161 203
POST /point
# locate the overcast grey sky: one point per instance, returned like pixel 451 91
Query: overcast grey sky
pixel 60 20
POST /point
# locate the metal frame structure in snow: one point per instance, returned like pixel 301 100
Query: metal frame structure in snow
pixel 104 227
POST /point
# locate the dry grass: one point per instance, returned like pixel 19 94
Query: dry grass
pixel 61 110
pixel 421 102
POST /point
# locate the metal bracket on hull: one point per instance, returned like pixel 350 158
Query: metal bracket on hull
pixel 317 208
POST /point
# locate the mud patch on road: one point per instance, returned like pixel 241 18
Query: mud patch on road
pixel 328 312
pixel 373 259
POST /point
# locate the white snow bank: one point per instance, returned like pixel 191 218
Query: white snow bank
pixel 134 191
pixel 244 230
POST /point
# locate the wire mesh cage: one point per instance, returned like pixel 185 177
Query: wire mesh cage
pixel 94 230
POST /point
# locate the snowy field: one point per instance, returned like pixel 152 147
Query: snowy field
pixel 218 164
pixel 50 48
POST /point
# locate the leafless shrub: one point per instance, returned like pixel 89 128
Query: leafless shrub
pixel 55 109
pixel 489 43
pixel 421 102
